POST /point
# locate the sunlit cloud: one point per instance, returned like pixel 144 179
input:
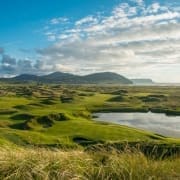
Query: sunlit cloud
pixel 134 39
pixel 131 36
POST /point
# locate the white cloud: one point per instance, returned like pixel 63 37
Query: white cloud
pixel 123 10
pixel 154 8
pixel 51 37
pixel 139 2
pixel 58 20
pixel 137 41
pixel 88 19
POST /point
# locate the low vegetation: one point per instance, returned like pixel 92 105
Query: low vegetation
pixel 77 164
pixel 56 114
pixel 47 132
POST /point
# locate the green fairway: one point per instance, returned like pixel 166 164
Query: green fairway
pixel 62 115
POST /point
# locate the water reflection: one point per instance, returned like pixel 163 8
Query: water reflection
pixel 156 122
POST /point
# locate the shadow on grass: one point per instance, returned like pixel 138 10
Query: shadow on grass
pixel 7 111
pixel 21 107
pixel 47 102
pixel 32 122
pixel 85 141
pixel 151 150
pixel 22 117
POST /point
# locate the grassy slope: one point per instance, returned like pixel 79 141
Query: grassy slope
pixel 78 111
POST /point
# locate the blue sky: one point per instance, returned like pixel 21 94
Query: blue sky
pixel 22 22
pixel 135 38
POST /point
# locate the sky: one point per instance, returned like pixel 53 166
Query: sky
pixel 135 38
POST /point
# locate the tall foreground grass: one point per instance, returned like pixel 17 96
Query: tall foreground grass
pixel 42 164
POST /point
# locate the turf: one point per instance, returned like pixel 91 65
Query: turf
pixel 26 118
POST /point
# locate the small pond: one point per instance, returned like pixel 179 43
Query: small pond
pixel 157 122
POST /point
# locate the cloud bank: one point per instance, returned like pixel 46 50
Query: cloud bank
pixel 136 40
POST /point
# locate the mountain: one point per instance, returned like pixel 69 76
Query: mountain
pixel 106 77
pixel 142 81
pixel 24 77
pixel 60 77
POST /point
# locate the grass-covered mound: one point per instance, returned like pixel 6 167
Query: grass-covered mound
pixel 32 122
pixel 57 115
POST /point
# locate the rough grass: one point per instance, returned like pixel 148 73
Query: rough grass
pixel 42 164
pixel 72 128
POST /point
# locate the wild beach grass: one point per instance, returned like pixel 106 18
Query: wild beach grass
pixel 43 164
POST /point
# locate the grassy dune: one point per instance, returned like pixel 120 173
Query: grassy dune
pixel 59 115
pixel 47 132
pixel 23 164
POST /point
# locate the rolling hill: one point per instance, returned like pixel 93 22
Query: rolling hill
pixel 66 78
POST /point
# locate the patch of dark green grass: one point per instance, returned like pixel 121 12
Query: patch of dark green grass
pixel 116 99
pixel 66 99
pixel 35 104
pixel 83 114
pixel 7 111
pixel 58 117
pixel 85 141
pixel 21 107
pixel 47 102
pixel 119 92
pixel 86 94
pixel 22 116
pixel 166 111
pixel 45 121
pixel 153 98
pixel 31 122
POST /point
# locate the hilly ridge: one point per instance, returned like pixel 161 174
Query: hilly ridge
pixel 60 77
